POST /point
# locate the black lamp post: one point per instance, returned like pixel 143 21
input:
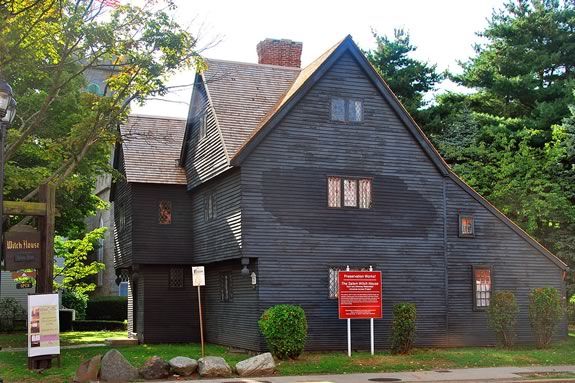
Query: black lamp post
pixel 7 114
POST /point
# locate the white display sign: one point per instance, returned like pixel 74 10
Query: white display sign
pixel 43 325
pixel 198 276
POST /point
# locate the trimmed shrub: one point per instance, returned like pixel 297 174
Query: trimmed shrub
pixel 285 330
pixel 107 308
pixel 545 312
pixel 403 328
pixel 10 313
pixel 502 315
pixel 98 325
pixel 73 300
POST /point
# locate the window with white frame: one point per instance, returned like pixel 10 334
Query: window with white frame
pixel 346 109
pixel 349 192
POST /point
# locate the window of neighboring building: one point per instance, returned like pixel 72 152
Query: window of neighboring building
pixel 466 225
pixel 123 289
pixel 481 287
pixel 203 121
pixel 209 206
pixel 226 294
pixel 349 192
pixel 165 212
pixel 176 278
pixel 346 109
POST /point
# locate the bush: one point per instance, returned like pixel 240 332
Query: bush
pixel 403 328
pixel 10 313
pixel 571 310
pixel 76 301
pixel 285 330
pixel 98 325
pixel 502 316
pixel 545 312
pixel 107 308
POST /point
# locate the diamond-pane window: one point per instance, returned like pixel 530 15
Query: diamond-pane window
pixel 176 278
pixel 226 294
pixel 364 193
pixel 338 109
pixel 350 193
pixel 165 212
pixel 481 287
pixel 334 191
pixel 209 206
pixel 333 278
pixel 355 110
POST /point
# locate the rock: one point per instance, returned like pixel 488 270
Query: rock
pixel 213 367
pixel 259 365
pixel 155 368
pixel 183 366
pixel 115 368
pixel 88 370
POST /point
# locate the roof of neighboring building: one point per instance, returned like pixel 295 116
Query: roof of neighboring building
pixel 151 149
pixel 242 94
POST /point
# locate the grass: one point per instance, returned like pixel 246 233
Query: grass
pixel 66 338
pixel 13 364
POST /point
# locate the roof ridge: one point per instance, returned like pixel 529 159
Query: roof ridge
pixel 157 117
pixel 255 64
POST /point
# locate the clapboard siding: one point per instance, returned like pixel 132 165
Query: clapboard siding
pixel 286 223
pixel 517 266
pixel 221 237
pixel 155 243
pixel 171 315
pixel 122 206
pixel 233 323
pixel 205 157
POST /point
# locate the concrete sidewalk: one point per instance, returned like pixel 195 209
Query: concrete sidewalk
pixel 452 375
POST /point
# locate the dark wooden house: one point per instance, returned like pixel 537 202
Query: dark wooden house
pixel 287 175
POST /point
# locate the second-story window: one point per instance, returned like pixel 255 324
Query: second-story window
pixel 466 225
pixel 349 192
pixel 209 206
pixel 346 109
pixel 165 212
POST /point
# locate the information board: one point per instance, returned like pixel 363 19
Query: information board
pixel 43 325
pixel 359 295
pixel 198 276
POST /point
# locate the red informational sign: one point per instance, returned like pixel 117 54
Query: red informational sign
pixel 359 294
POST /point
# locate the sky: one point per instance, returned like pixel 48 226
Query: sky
pixel 443 31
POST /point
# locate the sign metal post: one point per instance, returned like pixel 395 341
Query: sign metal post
pixel 359 297
pixel 199 280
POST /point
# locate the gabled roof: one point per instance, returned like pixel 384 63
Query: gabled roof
pixel 151 149
pixel 241 94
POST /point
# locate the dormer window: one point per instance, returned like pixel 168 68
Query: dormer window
pixel 346 109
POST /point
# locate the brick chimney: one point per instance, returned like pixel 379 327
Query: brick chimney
pixel 280 52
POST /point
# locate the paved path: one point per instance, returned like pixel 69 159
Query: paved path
pixel 467 375
pixel 19 349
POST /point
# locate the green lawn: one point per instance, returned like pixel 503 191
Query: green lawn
pixel 13 365
pixel 66 338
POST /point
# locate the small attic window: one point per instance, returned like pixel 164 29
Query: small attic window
pixel 346 109
pixel 466 226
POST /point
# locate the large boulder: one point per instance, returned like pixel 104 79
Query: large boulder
pixel 213 367
pixel 88 370
pixel 183 366
pixel 155 368
pixel 258 365
pixel 115 368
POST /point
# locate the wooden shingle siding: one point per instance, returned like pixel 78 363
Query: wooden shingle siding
pixel 122 205
pixel 221 237
pixel 171 315
pixel 154 243
pixel 205 157
pixel 233 323
pixel 516 266
pixel 287 225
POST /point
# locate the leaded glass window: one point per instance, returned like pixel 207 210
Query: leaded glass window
pixel 481 287
pixel 334 191
pixel 176 278
pixel 338 109
pixel 349 192
pixel 165 212
pixel 355 110
pixel 226 294
pixel 364 193
pixel 209 206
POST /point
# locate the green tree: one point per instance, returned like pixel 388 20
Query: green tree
pixel 64 134
pixel 408 78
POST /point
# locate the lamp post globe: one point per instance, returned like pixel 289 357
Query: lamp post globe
pixel 6 100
